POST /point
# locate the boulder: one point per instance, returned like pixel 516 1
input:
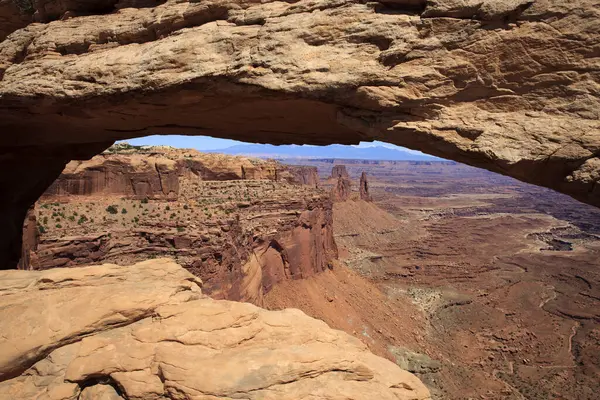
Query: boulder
pixel 147 332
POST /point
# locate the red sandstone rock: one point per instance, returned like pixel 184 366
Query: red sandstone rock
pixel 364 187
pixel 341 191
pixel 339 171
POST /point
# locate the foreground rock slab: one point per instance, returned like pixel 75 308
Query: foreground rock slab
pixel 147 332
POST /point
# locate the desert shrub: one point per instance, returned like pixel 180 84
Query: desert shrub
pixel 71 218
pixel 58 226
pixel 136 220
pixel 167 208
pixel 144 200
pixel 112 209
pixel 41 229
pixel 82 219
pixel 173 215
pixel 45 220
pixel 123 211
pixel 180 229
pixel 185 207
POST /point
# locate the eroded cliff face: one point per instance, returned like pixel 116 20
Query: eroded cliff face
pixel 146 331
pixel 239 235
pixel 363 187
pixel 303 174
pixel 155 172
pixel 510 86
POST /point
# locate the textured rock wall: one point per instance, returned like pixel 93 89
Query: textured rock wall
pixel 150 177
pixel 240 245
pixel 147 332
pixel 303 174
pixel 341 190
pixel 298 253
pixel 364 187
pixel 156 175
pixel 339 171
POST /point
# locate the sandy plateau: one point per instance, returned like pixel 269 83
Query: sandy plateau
pixel 482 286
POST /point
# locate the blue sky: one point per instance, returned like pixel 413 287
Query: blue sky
pixel 211 143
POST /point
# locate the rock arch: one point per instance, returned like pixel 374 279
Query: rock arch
pixel 510 86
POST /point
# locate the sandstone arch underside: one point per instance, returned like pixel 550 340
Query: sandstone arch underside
pixel 512 86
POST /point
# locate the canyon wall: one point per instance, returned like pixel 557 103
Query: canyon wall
pixel 155 173
pixel 240 224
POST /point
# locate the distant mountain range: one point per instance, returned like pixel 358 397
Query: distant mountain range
pixel 331 151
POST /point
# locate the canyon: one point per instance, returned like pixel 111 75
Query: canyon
pixel 239 224
pixel 504 278
pixel 480 286
pixel 148 332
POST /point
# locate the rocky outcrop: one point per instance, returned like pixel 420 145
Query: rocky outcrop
pixel 154 172
pixel 146 331
pixel 303 174
pixel 364 188
pixel 139 177
pixel 240 236
pixel 342 190
pixel 339 171
pixel 298 253
pixel 464 80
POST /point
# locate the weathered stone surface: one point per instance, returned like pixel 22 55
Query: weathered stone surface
pixel 511 85
pixel 342 189
pixel 364 188
pixel 147 332
pixel 303 174
pixel 339 171
pixel 154 172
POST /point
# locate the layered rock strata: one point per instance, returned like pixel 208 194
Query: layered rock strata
pixel 363 187
pixel 241 236
pixel 339 171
